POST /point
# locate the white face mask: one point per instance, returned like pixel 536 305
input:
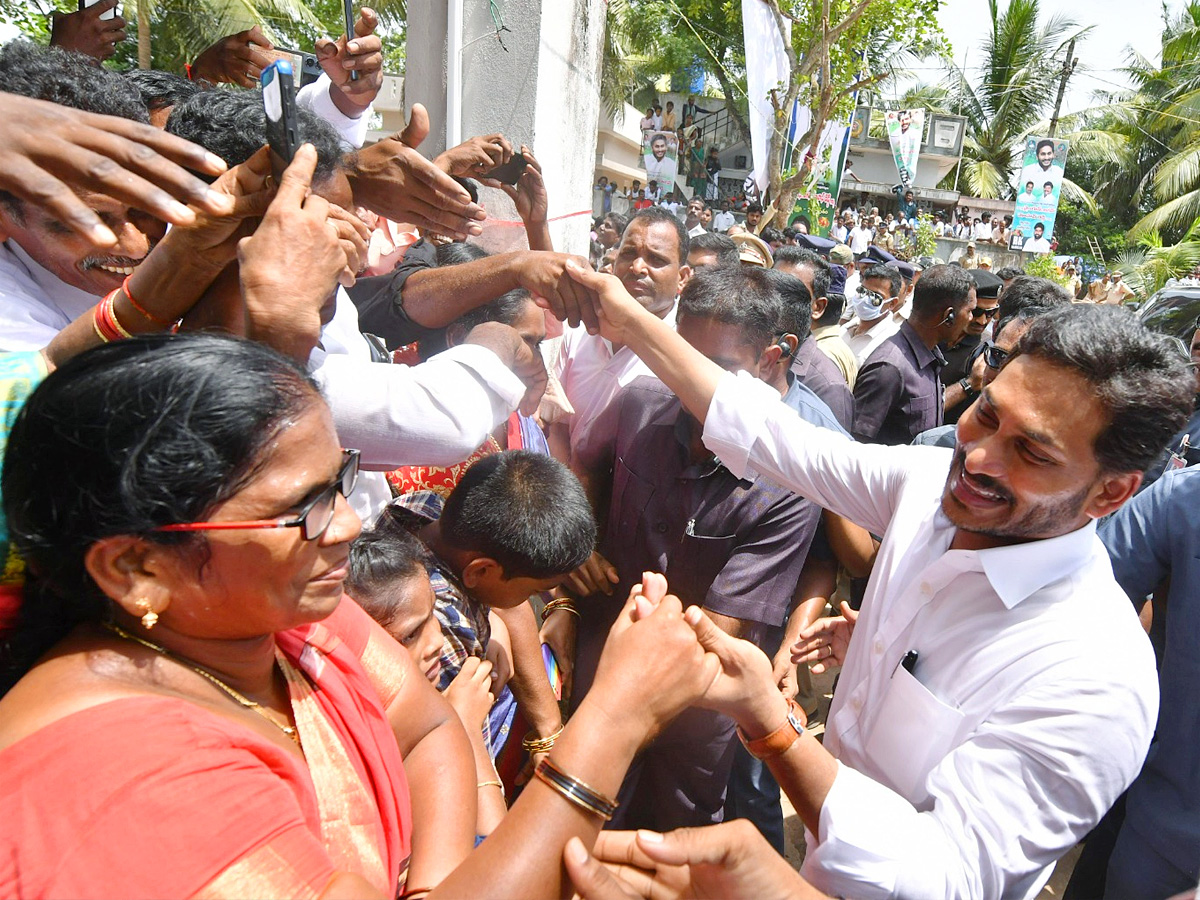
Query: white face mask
pixel 868 305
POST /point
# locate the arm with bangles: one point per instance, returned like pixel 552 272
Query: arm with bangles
pixel 649 645
pixel 470 693
pixel 529 683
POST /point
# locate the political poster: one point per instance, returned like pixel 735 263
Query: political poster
pixel 660 157
pixel 1038 189
pixel 816 204
pixel 905 128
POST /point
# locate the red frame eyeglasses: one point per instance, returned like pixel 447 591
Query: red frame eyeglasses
pixel 321 507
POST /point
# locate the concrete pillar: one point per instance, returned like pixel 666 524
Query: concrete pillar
pixel 542 91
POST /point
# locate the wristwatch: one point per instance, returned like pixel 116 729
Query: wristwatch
pixel 778 741
pixel 965 384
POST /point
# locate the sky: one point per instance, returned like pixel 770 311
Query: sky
pixel 1117 25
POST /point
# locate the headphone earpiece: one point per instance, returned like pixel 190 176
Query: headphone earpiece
pixel 785 349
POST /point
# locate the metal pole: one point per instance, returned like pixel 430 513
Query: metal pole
pixel 1067 69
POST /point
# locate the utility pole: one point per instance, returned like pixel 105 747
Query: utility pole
pixel 1067 69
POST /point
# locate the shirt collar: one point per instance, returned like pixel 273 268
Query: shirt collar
pixel 1018 570
pixel 68 299
pixel 925 356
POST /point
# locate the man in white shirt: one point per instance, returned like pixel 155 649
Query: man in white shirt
pixel 860 239
pixel 1037 243
pixel 723 219
pixel 652 265
pixel 980 728
pixel 876 303
pixel 695 213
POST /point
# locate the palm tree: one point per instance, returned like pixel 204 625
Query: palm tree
pixel 1010 97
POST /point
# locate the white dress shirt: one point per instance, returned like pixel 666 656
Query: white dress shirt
pixel 436 414
pixel 863 345
pixel 1030 707
pixel 35 304
pixel 860 239
pixel 592 374
pixel 316 96
pixel 723 221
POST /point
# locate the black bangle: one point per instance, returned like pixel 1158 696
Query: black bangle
pixel 575 790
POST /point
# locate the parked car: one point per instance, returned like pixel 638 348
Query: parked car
pixel 1173 310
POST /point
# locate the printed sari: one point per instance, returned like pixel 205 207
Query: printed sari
pixel 150 796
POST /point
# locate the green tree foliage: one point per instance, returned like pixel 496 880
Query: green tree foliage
pixel 181 29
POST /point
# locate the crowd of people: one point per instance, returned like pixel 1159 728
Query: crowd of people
pixel 344 558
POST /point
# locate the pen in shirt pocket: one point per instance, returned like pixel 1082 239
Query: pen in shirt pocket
pixel 908 662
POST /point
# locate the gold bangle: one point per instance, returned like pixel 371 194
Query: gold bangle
pixel 534 744
pixel 557 604
pixel 498 784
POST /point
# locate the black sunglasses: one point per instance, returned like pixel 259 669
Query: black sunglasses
pixel 994 357
pixel 980 313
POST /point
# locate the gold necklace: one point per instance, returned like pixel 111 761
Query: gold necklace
pixel 234 695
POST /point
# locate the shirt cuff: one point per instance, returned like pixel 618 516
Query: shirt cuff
pixel 491 371
pixel 316 96
pixel 738 409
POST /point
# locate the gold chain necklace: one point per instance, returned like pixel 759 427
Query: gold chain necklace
pixel 234 695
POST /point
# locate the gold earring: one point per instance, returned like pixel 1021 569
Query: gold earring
pixel 150 619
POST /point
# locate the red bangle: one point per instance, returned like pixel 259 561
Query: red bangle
pixel 157 320
pixel 105 323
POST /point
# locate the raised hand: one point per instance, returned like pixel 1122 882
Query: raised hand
pixel 608 304
pixel 475 157
pixel 235 59
pixel 289 268
pixel 361 52
pixel 823 644
pixel 470 693
pixel 392 179
pixel 84 31
pixel 548 276
pixel 46 150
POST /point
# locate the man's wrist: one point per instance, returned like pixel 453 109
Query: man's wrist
pixel 763 715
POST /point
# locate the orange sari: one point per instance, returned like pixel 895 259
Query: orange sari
pixel 156 797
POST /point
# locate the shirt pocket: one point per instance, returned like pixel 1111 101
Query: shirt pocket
pixel 631 494
pixel 696 563
pixel 911 734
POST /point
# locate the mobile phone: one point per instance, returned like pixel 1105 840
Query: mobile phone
pixel 511 171
pixel 304 63
pixel 111 14
pixel 351 18
pixel 279 104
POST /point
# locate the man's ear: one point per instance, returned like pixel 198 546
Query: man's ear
pixel 818 307
pixel 481 570
pixel 1112 493
pixel 685 274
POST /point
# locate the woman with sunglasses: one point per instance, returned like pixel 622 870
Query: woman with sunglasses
pixel 189 707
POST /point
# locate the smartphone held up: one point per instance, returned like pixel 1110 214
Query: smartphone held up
pixel 279 105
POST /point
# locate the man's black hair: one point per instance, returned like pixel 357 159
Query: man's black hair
pixel 69 79
pixel 802 256
pixel 652 215
pixel 769 235
pixel 1025 314
pixel 736 295
pixel 160 90
pixel 380 558
pixel 888 274
pixel 232 125
pixel 754 208
pixel 1030 290
pixel 1142 381
pixel 505 309
pixel 796 315
pixel 1008 273
pixel 703 203
pixel 1044 142
pixel 721 245
pixel 458 252
pixel 834 307
pixel 524 510
pixel 940 287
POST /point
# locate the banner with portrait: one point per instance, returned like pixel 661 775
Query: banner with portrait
pixel 1038 189
pixel 660 159
pixel 905 129
pixel 816 204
